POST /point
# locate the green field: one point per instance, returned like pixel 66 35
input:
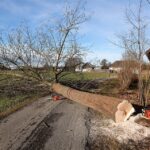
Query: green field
pixel 85 76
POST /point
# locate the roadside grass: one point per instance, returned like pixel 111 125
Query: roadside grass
pixel 10 108
pixel 16 92
pixel 6 102
pixel 74 76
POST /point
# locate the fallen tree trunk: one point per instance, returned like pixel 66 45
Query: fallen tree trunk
pixel 109 106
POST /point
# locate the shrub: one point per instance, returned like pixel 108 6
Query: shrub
pixel 128 75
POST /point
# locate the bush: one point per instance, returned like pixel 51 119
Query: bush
pixel 127 76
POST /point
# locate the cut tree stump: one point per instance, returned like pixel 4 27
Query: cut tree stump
pixel 111 107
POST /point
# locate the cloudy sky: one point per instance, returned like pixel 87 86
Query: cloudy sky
pixel 107 19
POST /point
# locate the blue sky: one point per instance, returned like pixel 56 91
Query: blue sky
pixel 107 20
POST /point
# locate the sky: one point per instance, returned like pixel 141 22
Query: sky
pixel 107 19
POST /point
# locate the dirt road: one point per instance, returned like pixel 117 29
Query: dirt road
pixel 45 125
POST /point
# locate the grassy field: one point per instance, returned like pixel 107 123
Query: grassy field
pixel 85 76
pixel 15 92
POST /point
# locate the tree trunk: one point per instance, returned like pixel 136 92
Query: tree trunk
pixel 108 106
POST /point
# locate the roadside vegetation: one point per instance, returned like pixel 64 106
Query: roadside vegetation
pixel 16 91
pixel 55 47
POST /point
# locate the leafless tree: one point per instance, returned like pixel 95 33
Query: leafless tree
pixel 18 49
pixel 53 45
pixel 72 63
pixel 148 1
pixel 135 43
pixel 104 63
pixel 129 69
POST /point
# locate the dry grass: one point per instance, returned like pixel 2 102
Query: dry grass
pixel 17 107
pixel 16 92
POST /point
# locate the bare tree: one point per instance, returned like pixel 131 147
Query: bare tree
pixel 148 1
pixel 104 63
pixel 135 43
pixel 72 63
pixel 19 50
pixel 63 38
pixel 53 45
pixel 128 73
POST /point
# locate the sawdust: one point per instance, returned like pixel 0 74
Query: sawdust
pixel 105 134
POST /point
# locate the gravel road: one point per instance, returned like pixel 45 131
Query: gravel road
pixel 45 125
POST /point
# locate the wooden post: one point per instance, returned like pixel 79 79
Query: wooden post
pixel 108 106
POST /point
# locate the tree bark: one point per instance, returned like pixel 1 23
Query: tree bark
pixel 104 104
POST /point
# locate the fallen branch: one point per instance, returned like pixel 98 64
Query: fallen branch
pixel 112 107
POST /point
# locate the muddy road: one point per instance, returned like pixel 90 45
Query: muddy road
pixel 45 125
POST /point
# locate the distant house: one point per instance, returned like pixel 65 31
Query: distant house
pixel 118 65
pixel 85 67
pixel 98 69
pixel 79 67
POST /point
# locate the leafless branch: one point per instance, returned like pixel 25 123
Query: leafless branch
pixel 29 50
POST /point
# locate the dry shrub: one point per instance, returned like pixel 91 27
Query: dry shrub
pixel 128 75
